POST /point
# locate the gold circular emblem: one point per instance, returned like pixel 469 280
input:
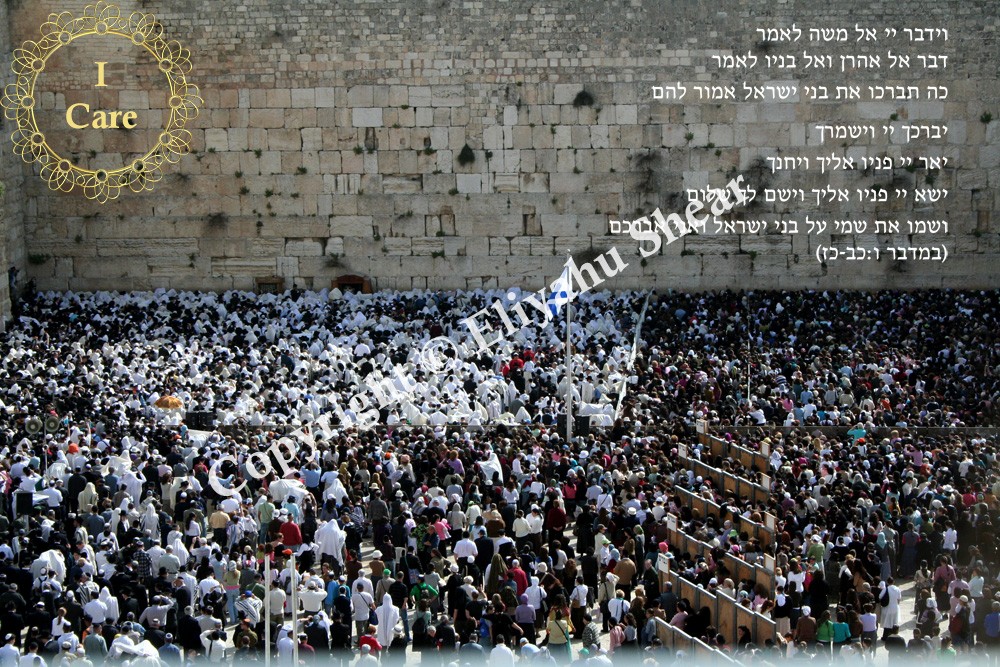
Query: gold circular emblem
pixel 105 20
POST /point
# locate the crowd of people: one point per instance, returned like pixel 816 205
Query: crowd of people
pixel 466 528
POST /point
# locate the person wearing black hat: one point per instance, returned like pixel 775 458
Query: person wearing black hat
pixel 155 634
pixel 340 639
pixel 37 616
pixel 11 622
pixel 188 630
pixel 318 635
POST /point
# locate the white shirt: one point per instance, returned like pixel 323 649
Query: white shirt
pixel 9 655
pixel 950 539
pixel 465 548
pixel 206 585
pixel 97 610
pixel 797 580
pixel 214 648
pixel 501 656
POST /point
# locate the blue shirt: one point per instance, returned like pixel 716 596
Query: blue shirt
pixel 992 625
pixel 311 478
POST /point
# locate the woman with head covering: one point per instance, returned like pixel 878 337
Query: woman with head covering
pixel 525 617
pixel 496 575
pixel 388 616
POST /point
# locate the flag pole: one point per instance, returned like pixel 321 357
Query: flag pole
pixel 569 362
pixel 267 608
pixel 295 614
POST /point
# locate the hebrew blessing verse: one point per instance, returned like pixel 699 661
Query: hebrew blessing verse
pixel 880 171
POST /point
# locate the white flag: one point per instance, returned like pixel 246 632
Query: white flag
pixel 560 292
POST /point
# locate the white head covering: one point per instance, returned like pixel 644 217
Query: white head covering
pixel 388 616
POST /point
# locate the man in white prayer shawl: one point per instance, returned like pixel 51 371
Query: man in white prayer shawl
pixel 387 615
pixel 334 488
pixel 330 538
pixel 491 467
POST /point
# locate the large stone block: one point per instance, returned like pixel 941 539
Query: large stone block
pixel 367 117
pixel 351 225
pixel 469 183
pixel 284 140
pixel 303 248
pixel 559 225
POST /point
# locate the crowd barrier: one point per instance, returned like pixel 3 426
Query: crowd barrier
pixel 878 432
pixel 726 614
pixel 739 570
pixel 696 651
pixel 751 459
pixel 740 523
pixel 734 484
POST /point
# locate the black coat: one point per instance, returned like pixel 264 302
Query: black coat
pixel 189 633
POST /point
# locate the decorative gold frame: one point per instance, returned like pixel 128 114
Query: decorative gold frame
pixel 103 19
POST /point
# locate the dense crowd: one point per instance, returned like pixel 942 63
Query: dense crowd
pixel 450 534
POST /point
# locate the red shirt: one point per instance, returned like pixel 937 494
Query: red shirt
pixel 291 536
pixel 520 578
pixel 370 641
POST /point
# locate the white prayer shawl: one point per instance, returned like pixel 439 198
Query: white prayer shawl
pixel 111 603
pixel 388 616
pixel 331 538
pixel 491 467
pixel 151 523
pixel 334 489
pixel 57 562
pixel 178 547
pixel 133 485
pixel 282 488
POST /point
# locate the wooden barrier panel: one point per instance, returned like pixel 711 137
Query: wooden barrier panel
pixel 737 486
pixel 744 571
pixel 732 615
pixel 702 653
pixel 696 596
pixel 740 570
pixel 726 614
pixel 709 508
pixel 761 627
pixel 729 450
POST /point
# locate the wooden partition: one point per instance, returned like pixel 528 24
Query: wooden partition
pixel 761 627
pixel 744 571
pixel 737 486
pixel 697 651
pixel 726 614
pixel 740 570
pixel 709 508
pixel 730 450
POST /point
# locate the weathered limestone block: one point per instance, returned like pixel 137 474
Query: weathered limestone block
pixel 367 117
pixel 303 248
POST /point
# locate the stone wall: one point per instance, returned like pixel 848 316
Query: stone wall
pixel 13 203
pixel 331 131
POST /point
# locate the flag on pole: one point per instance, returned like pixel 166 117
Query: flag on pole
pixel 560 292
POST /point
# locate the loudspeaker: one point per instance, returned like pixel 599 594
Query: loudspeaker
pixel 200 421
pixel 22 502
pixel 33 425
pixel 581 425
